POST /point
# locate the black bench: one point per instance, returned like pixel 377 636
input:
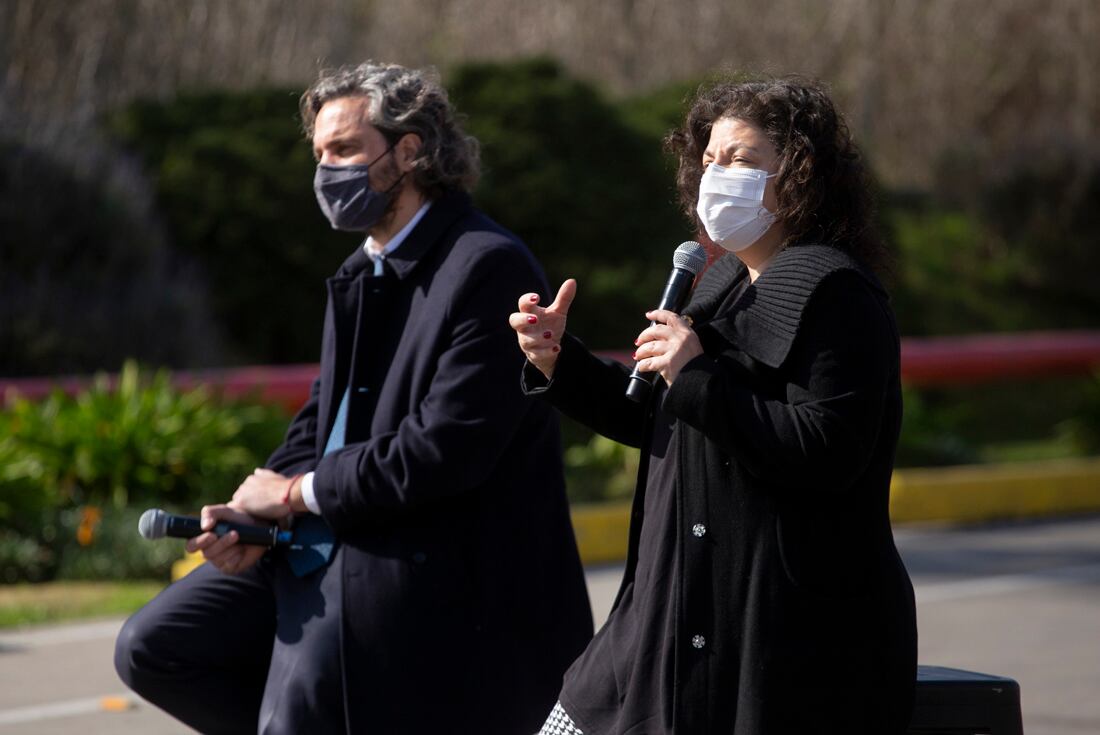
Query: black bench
pixel 956 702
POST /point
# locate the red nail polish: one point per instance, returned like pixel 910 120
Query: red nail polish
pixel 637 342
pixel 532 319
pixel 547 334
pixel 556 349
pixel 534 298
pixel 634 356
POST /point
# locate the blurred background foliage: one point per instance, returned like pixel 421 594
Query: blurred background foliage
pixel 233 178
pixel 225 263
pixel 156 203
pixel 77 471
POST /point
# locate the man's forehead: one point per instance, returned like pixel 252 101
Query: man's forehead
pixel 350 109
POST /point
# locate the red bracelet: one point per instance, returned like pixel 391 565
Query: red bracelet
pixel 289 487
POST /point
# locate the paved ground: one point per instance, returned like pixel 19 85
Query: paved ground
pixel 1020 600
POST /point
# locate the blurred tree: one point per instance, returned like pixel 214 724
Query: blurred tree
pixel 1041 208
pixel 234 176
pixel 85 281
pixel 586 190
pixel 1001 243
pixel 945 281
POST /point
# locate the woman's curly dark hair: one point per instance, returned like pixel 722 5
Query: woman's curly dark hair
pixel 823 189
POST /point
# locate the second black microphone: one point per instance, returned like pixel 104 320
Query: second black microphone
pixel 690 258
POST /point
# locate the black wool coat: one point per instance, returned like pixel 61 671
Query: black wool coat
pixel 763 593
pixel 463 595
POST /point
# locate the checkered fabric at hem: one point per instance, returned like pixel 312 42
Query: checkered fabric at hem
pixel 558 723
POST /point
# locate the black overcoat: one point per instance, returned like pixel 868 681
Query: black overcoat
pixel 463 596
pixel 763 593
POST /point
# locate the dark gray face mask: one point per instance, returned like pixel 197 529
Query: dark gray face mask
pixel 345 196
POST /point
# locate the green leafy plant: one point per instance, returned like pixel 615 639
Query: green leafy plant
pixel 1082 430
pixel 106 545
pixel 929 434
pixel 600 469
pixel 139 441
pixel 136 444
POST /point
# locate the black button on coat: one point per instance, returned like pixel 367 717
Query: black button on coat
pixel 763 593
pixel 463 595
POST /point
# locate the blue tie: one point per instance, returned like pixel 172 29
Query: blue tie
pixel 340 426
pixel 313 542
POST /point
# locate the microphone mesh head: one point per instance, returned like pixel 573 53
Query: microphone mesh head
pixel 153 524
pixel 690 256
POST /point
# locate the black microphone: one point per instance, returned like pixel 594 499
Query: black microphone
pixel 155 523
pixel 687 261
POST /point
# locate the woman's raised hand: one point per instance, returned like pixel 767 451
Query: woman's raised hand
pixel 540 330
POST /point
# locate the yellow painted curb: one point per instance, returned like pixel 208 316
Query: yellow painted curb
pixel 992 492
pixel 602 530
pixel 967 494
pixel 186 565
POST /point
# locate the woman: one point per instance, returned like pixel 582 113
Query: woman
pixel 763 592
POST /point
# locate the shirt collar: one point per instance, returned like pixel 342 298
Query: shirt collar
pixel 399 238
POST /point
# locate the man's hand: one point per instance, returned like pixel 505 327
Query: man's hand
pixel 265 494
pixel 225 553
pixel 666 346
pixel 540 330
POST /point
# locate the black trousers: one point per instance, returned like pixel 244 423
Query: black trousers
pixel 256 652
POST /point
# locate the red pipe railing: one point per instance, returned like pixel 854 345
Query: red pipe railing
pixel 934 361
pixel 925 361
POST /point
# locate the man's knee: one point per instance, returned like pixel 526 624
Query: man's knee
pixel 135 655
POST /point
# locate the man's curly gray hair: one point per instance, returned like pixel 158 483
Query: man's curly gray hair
pixel 405 101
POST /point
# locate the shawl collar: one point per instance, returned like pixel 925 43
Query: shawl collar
pixel 767 316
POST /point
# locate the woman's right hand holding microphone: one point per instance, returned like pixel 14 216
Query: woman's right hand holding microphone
pixel 540 330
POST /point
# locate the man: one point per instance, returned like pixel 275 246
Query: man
pixel 442 591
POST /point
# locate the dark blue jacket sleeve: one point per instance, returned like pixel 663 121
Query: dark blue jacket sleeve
pixel 453 439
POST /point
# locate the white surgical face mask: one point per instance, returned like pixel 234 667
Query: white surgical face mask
pixel 731 205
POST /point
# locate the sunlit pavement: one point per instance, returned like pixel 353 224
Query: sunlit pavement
pixel 1019 600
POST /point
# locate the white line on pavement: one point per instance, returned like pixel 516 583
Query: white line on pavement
pixel 54 635
pixel 67 708
pixel 1001 584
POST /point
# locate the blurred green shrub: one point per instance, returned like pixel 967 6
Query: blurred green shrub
pixel 1000 244
pixel 142 441
pixel 116 451
pixel 600 469
pixel 86 277
pixel 24 558
pixel 929 434
pixel 654 113
pixel 1041 208
pixel 583 184
pixel 234 181
pixel 1082 429
pixel 107 546
pixel 946 280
